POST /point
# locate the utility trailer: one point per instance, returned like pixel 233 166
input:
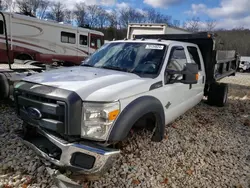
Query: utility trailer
pixel 218 64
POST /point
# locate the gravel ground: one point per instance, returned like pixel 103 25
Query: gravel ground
pixel 206 147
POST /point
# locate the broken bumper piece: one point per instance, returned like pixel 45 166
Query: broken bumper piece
pixel 86 158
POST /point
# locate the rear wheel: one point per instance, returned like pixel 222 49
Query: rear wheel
pixel 217 95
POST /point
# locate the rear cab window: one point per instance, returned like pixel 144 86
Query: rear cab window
pixel 177 58
pixel 194 55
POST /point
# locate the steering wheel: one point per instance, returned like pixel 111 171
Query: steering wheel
pixel 152 64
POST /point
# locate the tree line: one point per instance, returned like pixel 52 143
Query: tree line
pixel 95 16
pixel 113 23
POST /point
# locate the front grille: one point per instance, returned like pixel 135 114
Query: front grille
pixel 53 111
pixel 38 98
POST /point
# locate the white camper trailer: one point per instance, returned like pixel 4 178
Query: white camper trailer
pixel 152 28
pixel 30 46
pixel 47 41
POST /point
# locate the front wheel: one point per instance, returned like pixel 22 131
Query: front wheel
pixel 218 94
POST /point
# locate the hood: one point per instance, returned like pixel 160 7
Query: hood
pixel 93 84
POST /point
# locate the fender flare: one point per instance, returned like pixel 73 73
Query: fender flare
pixel 4 86
pixel 133 112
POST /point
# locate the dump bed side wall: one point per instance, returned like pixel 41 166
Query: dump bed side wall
pixel 173 30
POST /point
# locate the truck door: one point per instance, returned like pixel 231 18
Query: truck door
pixel 176 97
pixel 194 56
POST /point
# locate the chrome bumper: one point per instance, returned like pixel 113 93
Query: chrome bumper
pixel 104 157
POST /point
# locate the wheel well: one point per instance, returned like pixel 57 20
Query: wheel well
pixel 145 111
pixel 147 121
pixel 24 57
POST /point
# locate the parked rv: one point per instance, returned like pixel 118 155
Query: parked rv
pixel 35 39
pixel 152 28
pixel 29 45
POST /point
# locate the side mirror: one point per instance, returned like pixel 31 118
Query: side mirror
pixel 189 74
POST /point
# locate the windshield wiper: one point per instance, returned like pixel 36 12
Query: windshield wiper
pixel 87 65
pixel 115 68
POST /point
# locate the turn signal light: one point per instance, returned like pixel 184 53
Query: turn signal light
pixel 113 115
pixel 197 76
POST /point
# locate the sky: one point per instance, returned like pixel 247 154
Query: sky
pixel 227 13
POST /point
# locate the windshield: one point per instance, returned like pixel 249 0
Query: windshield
pixel 139 58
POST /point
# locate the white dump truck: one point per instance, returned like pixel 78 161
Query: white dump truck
pixel 73 116
pixel 152 28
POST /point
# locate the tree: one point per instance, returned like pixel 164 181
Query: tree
pixel 112 18
pixel 44 5
pixel 210 25
pixel 102 18
pixel 33 7
pixel 80 13
pixel 67 16
pixel 129 15
pixel 3 5
pixel 57 12
pixel 152 16
pixel 26 7
pixel 192 24
pixel 92 15
pixel 10 5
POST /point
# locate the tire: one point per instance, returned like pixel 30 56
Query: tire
pixel 217 95
pixel 4 87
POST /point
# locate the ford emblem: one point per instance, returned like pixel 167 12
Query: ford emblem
pixel 34 113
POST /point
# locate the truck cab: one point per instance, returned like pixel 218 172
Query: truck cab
pixel 72 116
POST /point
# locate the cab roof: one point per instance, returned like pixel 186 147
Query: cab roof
pixel 165 42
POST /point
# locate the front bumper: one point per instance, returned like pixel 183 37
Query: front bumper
pixel 85 158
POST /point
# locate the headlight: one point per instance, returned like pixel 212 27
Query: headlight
pixel 97 119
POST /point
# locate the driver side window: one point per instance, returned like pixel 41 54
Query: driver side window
pixel 177 59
